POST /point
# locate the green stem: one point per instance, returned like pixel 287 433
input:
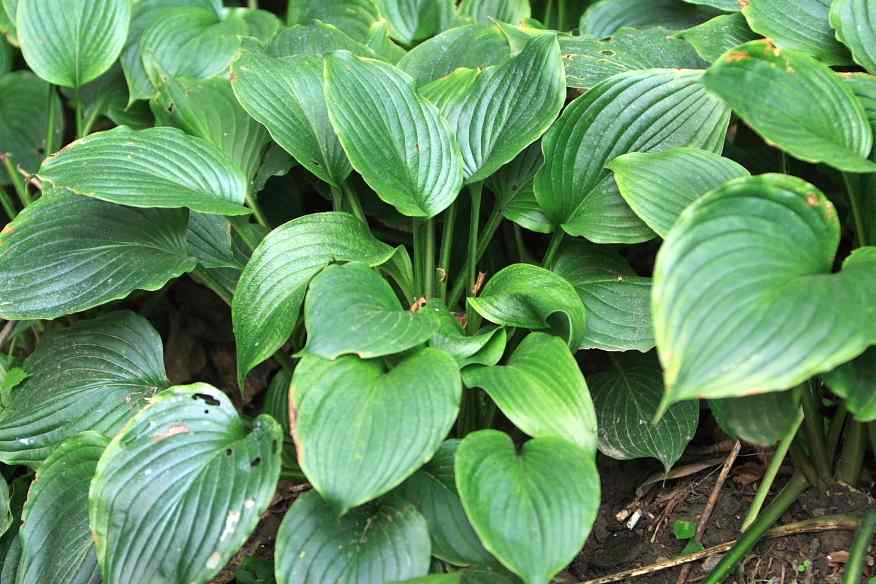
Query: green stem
pixel 253 4
pixel 836 428
pixel 852 457
pixel 253 204
pixel 476 191
pixel 243 233
pixel 50 123
pixel 520 245
pixel 553 247
pixel 783 162
pixel 863 538
pixel 561 15
pixel 871 431
pixel 774 511
pixel 429 259
pixel 337 199
pixel 489 231
pixel 17 181
pixel 446 249
pixel 772 471
pixel 354 203
pixel 419 250
pixel 8 205
pixel 815 431
pixel 467 422
pixel 857 211
pixel 80 126
pixel 803 464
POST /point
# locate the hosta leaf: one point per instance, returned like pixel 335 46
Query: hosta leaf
pixel 748 304
pixel 261 24
pixel 271 290
pixel 626 400
pixel 351 309
pixel 209 239
pixel 541 390
pixel 91 376
pixel 605 17
pixel 277 406
pixel 394 138
pixel 855 382
pixel 523 210
pixel 618 301
pixel 465 577
pixel 589 60
pixel 863 85
pixel 723 5
pixel 517 175
pixel 659 185
pixel 7 58
pixel 486 11
pixel 484 348
pixel 852 21
pixel 181 488
pixel 65 253
pixel 797 24
pixel 159 167
pixel 814 116
pixel 7 23
pixel 383 542
pixel 354 17
pixel 715 37
pixel 380 41
pixel 471 46
pixel 318 38
pixel 532 507
pixel 414 20
pixel 507 107
pixel 361 430
pixel 759 419
pixel 640 111
pixel 523 295
pixel 286 95
pixel 55 516
pixel 71 42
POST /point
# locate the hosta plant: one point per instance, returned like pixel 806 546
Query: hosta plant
pixel 472 243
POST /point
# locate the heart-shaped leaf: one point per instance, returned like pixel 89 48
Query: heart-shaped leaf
pixel 55 516
pixel 797 24
pixel 91 376
pixel 715 37
pixel 286 95
pixel 659 185
pixel 487 11
pixel 159 167
pixel 268 298
pixel 605 17
pixel 640 111
pixel 71 42
pixel 759 419
pixel 354 17
pixel 351 309
pixel 854 382
pixel 361 430
pixel 415 20
pixel 66 253
pixel 851 19
pixel 626 400
pixel 181 488
pixel 532 507
pixel 541 390
pixel 383 542
pixel 484 348
pixel 748 304
pixel 618 301
pixel 523 295
pixel 814 116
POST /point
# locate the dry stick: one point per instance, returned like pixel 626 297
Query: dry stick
pixel 710 504
pixel 7 330
pixel 826 523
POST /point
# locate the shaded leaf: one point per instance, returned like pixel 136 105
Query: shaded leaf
pixel 797 24
pixel 484 348
pixel 277 406
pixel 465 577
pixel 715 37
pixel 606 16
pixel 486 11
pixel 723 5
pixel 354 17
pixel 759 419
pixel 854 382
pixel 415 20
pixel 852 20
pixel 209 239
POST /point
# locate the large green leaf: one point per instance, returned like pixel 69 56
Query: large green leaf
pixel 318 38
pixel 471 46
pixel 354 17
pixel 486 11
pixel 797 24
pixel 382 542
pixel 268 298
pixel 483 348
pixel 659 185
pixel 394 138
pixel 605 17
pixel 71 42
pixel 812 115
pixel 55 516
pixel 852 20
pixel 618 301
pixel 158 167
pixel 626 399
pixel 541 390
pixel 744 298
pixel 640 111
pixel 759 419
pixel 181 488
pixel 723 5
pixel 415 20
pixel 66 253
pixel 523 295
pixel 855 382
pixel 465 577
pixel 209 239
pixel 361 430
pixel 532 507
pixel 285 94
pixel 91 376
pixel 715 37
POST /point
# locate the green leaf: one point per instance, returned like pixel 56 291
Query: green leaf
pixel 209 239
pixel 394 138
pixel 380 41
pixel 605 17
pixel 268 298
pixel 507 107
pixel 354 17
pixel 55 516
pixel 65 253
pixel 659 185
pixel 863 85
pixel 797 24
pixel 351 309
pixel 318 38
pixel 5 507
pixel 415 20
pixel 465 577
pixel 523 295
pixel 379 543
pixel 532 507
pixel 715 37
pixel 71 42
pixel 93 375
pixel 286 95
pixel 589 60
pixel 722 5
pixel 618 301
pixel 749 303
pixel 541 390
pixel 523 210
pixel 261 24
pixel 759 419
pixel 11 378
pixel 471 46
pixel 626 399
pixel 486 11
pixel 854 382
pixel 159 167
pixel 277 406
pixel 683 529
pixel 852 21
pixel 813 115
pixel 361 430
pixel 181 488
pixel 7 58
pixel 640 111
pixel 484 348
